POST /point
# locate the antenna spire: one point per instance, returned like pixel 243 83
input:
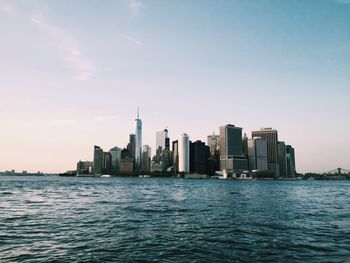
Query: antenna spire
pixel 138 112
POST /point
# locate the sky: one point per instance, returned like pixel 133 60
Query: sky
pixel 72 74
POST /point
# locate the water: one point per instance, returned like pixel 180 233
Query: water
pixel 45 219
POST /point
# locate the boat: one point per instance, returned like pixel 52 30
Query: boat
pixel 87 175
pixel 245 177
pixel 144 176
pixel 105 176
pixel 224 175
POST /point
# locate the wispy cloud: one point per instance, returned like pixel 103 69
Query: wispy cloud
pixel 133 40
pixel 106 118
pixel 8 9
pixel 71 51
pixel 134 7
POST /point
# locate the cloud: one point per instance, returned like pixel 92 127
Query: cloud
pixel 134 7
pixel 133 40
pixel 8 9
pixel 106 118
pixel 71 52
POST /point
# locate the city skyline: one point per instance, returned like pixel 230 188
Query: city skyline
pixel 73 74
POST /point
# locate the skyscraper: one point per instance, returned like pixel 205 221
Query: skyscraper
pixel 257 154
pixel 199 154
pixel 138 143
pixel 231 149
pixel 213 143
pixel 131 145
pixel 176 155
pixel 290 160
pixel 98 159
pixel 282 159
pixel 115 158
pixel 184 153
pixel 162 141
pixel 271 136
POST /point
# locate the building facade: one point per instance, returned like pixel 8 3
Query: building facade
pixel 290 161
pixel 282 159
pixel 138 143
pixel 184 153
pixel 199 155
pixel 257 154
pixel 214 144
pixel 231 149
pixel 115 153
pixel 98 160
pixel 271 137
pixel 162 142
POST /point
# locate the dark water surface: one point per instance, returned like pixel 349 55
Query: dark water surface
pixel 45 219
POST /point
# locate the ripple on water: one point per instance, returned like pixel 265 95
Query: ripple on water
pixel 167 220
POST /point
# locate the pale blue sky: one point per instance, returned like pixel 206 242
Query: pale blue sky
pixel 74 72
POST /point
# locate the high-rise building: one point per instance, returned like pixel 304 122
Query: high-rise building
pixel 98 159
pixel 245 144
pixel 176 155
pixel 214 142
pixel 199 154
pixel 84 167
pixel 147 148
pixel 115 158
pixel 271 136
pixel 106 164
pixel 231 149
pixel 257 154
pixel 184 153
pixel 146 158
pixel 131 145
pixel 290 160
pixel 282 159
pixel 138 143
pixel 162 142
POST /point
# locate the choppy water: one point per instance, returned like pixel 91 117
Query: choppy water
pixel 117 220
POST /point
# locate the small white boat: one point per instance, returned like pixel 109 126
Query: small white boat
pixel 144 176
pixel 105 176
pixel 224 175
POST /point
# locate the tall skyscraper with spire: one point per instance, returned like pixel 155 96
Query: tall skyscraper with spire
pixel 138 143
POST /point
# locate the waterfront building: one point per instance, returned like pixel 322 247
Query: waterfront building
pixel 147 148
pixel 257 154
pixel 245 145
pixel 146 161
pixel 282 164
pixel 166 159
pixel 231 149
pixel 271 136
pixel 106 165
pixel 131 145
pixel 176 155
pixel 115 153
pixel 184 153
pixel 162 142
pixel 214 144
pixel 290 161
pixel 138 143
pixel 98 160
pixel 83 167
pixel 199 154
pixel 127 165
